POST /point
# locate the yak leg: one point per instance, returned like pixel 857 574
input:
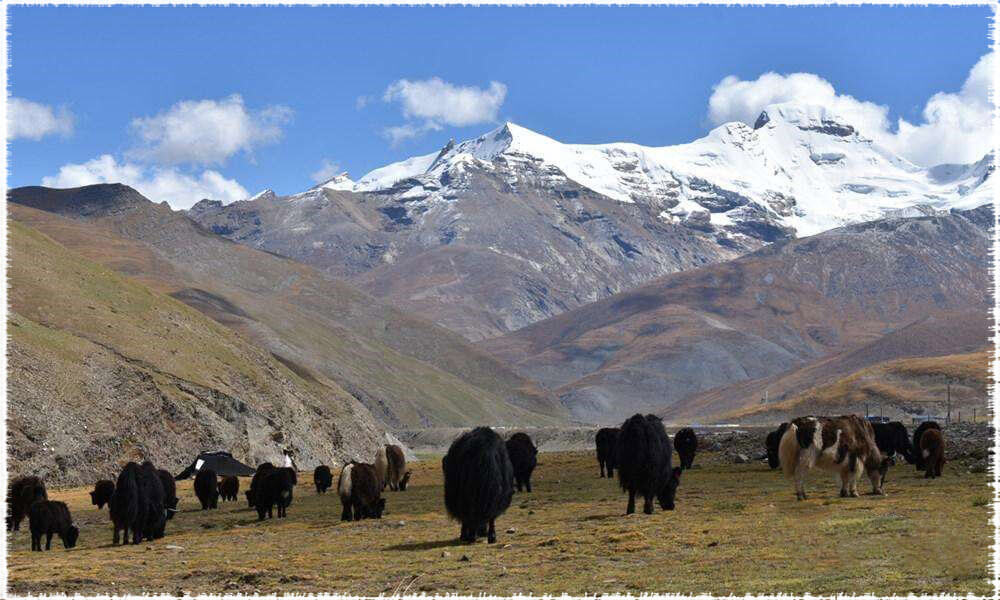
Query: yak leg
pixel 36 541
pixel 800 480
pixel 647 505
pixel 114 539
pixel 631 502
pixel 48 541
pixel 527 483
pixel 468 532
pixel 601 462
pixel 491 535
pixel 345 515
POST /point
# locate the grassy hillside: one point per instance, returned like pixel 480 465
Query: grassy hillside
pixel 102 369
pixel 737 530
pixel 902 388
pixel 408 372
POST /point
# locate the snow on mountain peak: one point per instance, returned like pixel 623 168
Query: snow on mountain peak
pixel 338 182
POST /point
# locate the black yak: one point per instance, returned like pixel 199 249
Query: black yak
pixel 229 487
pixel 918 458
pixel 686 444
pixel 396 467
pixel 932 452
pixel 258 476
pixel 152 508
pixel 478 482
pixel 645 454
pixel 275 490
pixel 103 490
pixel 124 507
pixel 771 445
pixel 360 492
pixel 48 518
pixel 607 446
pixel 844 445
pixel 169 492
pixel 892 439
pixel 206 487
pixel 523 457
pixel 21 494
pixel 323 479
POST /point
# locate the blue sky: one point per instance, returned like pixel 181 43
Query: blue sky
pixel 580 74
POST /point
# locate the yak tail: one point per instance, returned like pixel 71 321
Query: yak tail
pixel 788 450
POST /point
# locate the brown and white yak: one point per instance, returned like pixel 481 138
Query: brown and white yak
pixel 844 445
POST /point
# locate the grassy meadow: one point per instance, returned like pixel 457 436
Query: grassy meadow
pixel 737 529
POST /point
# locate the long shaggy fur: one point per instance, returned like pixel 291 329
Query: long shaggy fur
pixel 124 508
pixel 607 450
pixel 893 439
pixel 275 490
pixel 918 458
pixel 152 511
pixel 322 478
pixel 206 487
pixel 686 444
pixel 478 482
pixel 771 444
pixel 262 470
pixel 21 493
pixel 395 466
pixel 645 455
pixel 48 518
pixel 932 452
pixel 360 492
pixel 169 492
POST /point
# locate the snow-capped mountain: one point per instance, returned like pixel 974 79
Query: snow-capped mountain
pixel 494 233
pixel 799 167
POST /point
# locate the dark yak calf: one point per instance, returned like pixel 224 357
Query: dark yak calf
pixel 323 479
pixel 932 452
pixel 360 492
pixel 229 487
pixel 206 487
pixel 607 447
pixel 645 455
pixel 21 494
pixel 103 490
pixel 478 482
pixel 48 518
pixel 523 457
pixel 686 444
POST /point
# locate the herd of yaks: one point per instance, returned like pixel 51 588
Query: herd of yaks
pixel 481 471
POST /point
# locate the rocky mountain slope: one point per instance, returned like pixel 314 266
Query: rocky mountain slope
pixel 491 234
pixel 776 310
pixel 407 371
pixel 102 370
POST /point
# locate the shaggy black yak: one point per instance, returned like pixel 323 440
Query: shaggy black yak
pixel 360 492
pixel 323 479
pixel 169 492
pixel 258 476
pixel 686 444
pixel 478 482
pixel 152 507
pixel 918 458
pixel 644 457
pixel 48 518
pixel 206 487
pixel 103 490
pixel 607 447
pixel 892 438
pixel 523 457
pixel 275 490
pixel 124 507
pixel 229 487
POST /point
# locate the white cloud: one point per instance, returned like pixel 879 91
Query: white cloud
pixel 206 132
pixel 31 120
pixel 326 171
pixel 361 102
pixel 430 104
pixel 180 190
pixel 956 127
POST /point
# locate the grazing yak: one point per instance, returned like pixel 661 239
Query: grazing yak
pixel 686 444
pixel 103 490
pixel 918 458
pixel 48 518
pixel 395 467
pixel 323 479
pixel 262 469
pixel 206 487
pixel 644 457
pixel 607 445
pixel 892 439
pixel 137 504
pixel 169 492
pixel 932 452
pixel 229 487
pixel 478 482
pixel 275 490
pixel 21 494
pixel 523 457
pixel 844 445
pixel 360 492
pixel 771 445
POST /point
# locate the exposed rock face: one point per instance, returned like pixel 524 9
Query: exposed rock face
pixel 498 232
pixel 780 308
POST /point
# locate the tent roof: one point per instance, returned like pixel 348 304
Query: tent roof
pixel 221 462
